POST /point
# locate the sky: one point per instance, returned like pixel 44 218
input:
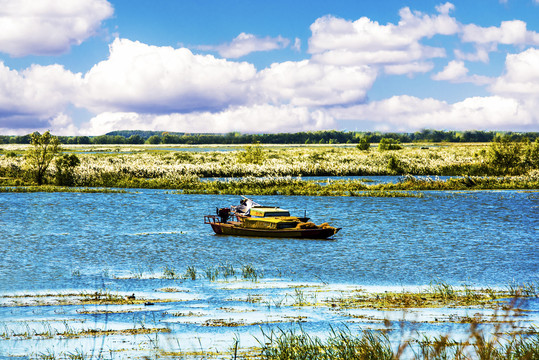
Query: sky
pixel 87 67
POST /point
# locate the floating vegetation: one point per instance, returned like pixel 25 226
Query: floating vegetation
pixel 437 295
pixel 83 298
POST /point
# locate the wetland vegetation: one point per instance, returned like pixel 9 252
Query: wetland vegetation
pixel 274 170
pixel 276 318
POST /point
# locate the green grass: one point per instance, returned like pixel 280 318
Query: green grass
pixel 371 345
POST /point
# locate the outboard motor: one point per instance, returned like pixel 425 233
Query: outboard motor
pixel 224 214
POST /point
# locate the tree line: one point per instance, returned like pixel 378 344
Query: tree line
pixel 310 137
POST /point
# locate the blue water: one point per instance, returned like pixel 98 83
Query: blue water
pixel 482 238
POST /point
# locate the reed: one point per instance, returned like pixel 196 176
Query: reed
pixel 138 167
pixel 248 272
pixel 190 273
pixel 369 345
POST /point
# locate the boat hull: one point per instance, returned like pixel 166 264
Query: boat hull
pixel 232 229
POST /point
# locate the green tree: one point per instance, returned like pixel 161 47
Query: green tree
pixel 364 143
pixel 39 156
pixel 65 167
pixel 135 139
pixel 531 154
pixel 154 140
pixel 389 144
pixel 504 155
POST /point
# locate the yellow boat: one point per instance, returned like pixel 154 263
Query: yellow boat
pixel 253 219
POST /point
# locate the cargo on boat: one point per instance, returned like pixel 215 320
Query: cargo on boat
pixel 252 219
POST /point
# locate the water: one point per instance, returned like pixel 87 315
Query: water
pixel 58 243
pixel 480 237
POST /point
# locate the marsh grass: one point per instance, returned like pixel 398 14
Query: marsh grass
pixel 340 344
pixel 437 295
pixel 374 345
pixel 249 272
pixel 142 168
pixel 190 273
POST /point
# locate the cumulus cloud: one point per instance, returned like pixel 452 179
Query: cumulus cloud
pixel 512 32
pixel 365 42
pixel 150 79
pixel 457 72
pixel 247 119
pixel 408 113
pixel 32 97
pixel 49 27
pixel 245 44
pixel 481 54
pixel 305 83
pixel 521 77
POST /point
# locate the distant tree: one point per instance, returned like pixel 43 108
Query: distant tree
pixel 135 139
pixel 154 140
pixel 39 156
pixel 82 140
pixel 389 144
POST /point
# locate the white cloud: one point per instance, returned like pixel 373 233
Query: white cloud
pixel 32 97
pixel 512 32
pixel 49 27
pixel 408 113
pixel 245 44
pixel 247 119
pixel 481 54
pixel 305 83
pixel 409 68
pixel 521 77
pixel 150 79
pixel 365 42
pixel 457 72
pixel 297 44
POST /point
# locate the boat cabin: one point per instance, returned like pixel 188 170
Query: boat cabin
pixel 281 222
pixel 263 212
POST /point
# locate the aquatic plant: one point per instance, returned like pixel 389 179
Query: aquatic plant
pixel 250 273
pixel 212 273
pixel 170 273
pixel 190 273
pixel 341 344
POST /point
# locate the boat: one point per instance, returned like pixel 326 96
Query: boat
pixel 252 219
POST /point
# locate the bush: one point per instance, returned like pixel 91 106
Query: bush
pixel 504 156
pixel 253 154
pixel 364 143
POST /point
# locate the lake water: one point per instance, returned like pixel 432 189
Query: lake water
pixel 52 243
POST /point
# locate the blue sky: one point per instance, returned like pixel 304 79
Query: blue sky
pixel 86 67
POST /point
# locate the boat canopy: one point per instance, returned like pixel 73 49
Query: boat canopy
pixel 268 212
